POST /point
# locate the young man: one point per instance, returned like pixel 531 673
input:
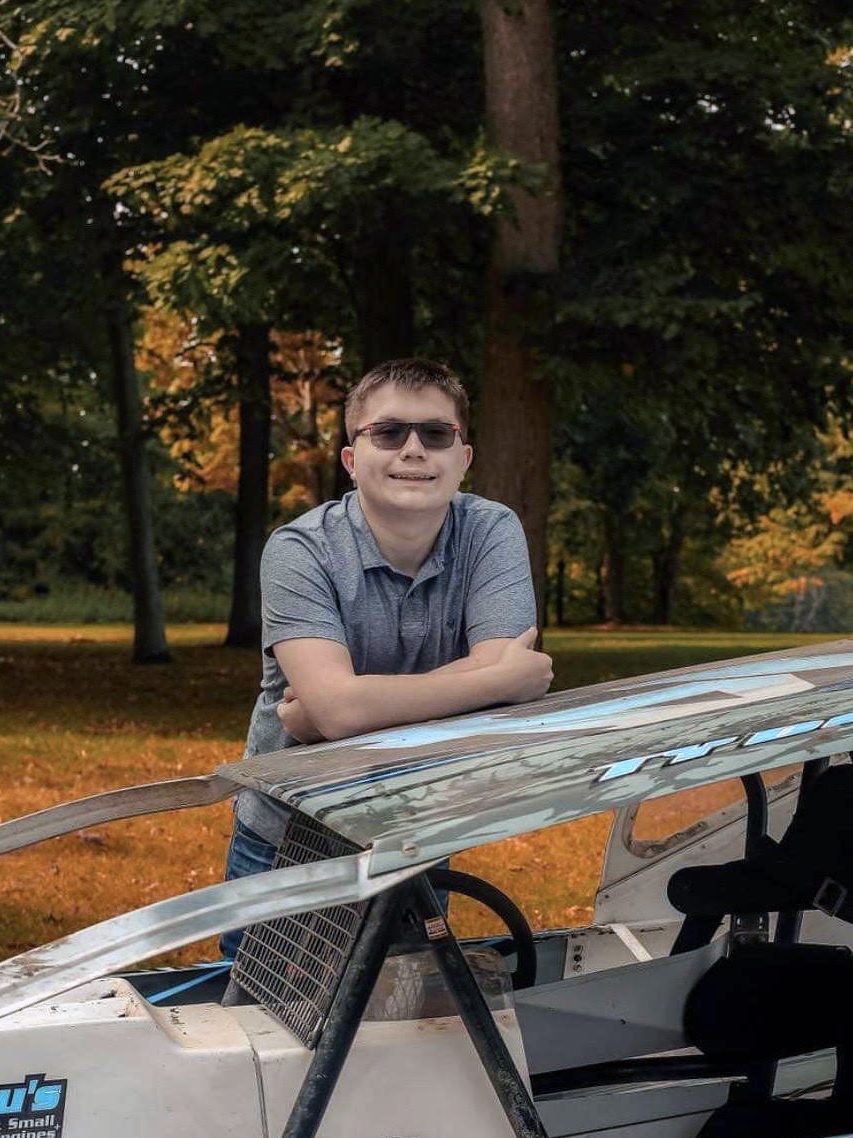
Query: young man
pixel 404 601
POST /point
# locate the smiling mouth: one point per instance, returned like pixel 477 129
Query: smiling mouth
pixel 413 477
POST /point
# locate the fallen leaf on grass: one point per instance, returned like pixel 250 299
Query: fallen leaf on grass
pixel 92 837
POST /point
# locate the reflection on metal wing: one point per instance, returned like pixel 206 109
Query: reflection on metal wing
pixel 418 793
pixel 47 971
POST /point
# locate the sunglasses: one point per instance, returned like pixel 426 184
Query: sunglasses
pixel 391 435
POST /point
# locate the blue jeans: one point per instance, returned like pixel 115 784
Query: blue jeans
pixel 248 853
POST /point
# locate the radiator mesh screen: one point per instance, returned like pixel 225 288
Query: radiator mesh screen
pixel 292 965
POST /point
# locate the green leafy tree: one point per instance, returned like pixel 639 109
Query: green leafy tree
pixel 87 95
pixel 344 264
pixel 263 230
pixel 792 564
pixel 97 79
pixel 705 310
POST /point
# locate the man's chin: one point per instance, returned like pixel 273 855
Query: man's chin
pixel 408 501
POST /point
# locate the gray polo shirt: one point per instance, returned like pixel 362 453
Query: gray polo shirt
pixel 323 576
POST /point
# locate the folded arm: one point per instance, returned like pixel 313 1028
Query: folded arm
pixel 329 701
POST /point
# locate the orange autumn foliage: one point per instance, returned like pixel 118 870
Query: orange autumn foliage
pixel 790 548
pixel 204 439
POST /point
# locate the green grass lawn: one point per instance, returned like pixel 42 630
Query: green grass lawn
pixel 590 656
pixel 76 717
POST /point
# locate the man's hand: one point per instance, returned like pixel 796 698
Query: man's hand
pixel 525 674
pixel 295 719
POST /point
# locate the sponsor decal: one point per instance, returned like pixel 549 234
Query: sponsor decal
pixel 34 1107
pixel 435 927
pixel 686 754
pixel 655 701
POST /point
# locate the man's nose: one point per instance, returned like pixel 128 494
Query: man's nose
pixel 413 444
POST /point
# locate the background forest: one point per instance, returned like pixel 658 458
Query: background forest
pixel 627 226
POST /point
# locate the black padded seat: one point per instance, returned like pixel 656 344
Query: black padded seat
pixel 771 1001
pixel 811 867
pixel 767 1002
pixel 735 887
pixel 778 1119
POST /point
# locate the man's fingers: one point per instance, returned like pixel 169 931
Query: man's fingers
pixel 286 705
pixel 527 638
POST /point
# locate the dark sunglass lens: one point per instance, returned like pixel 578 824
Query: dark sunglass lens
pixel 389 436
pixel 436 436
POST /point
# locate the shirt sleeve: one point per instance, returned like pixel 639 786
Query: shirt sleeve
pixel 298 597
pixel 500 599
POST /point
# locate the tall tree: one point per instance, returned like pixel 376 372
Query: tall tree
pixel 342 71
pixel 281 228
pixel 703 327
pixel 253 368
pixel 515 411
pixel 149 624
pixel 89 97
pixel 99 77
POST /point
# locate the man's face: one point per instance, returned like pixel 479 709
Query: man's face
pixel 412 479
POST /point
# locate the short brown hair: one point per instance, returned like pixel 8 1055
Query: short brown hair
pixel 410 375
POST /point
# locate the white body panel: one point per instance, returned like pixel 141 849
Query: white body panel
pixel 134 1071
pixel 204 1071
pixel 409 1077
pixel 634 876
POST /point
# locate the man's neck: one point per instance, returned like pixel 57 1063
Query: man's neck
pixel 405 542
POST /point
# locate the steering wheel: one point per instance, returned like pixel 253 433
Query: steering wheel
pixel 489 895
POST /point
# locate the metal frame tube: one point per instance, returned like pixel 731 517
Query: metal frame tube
pixel 348 1007
pixel 756 811
pixel 380 928
pixel 514 1097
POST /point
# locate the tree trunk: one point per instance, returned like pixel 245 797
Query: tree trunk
pixel 149 629
pixel 600 601
pixel 561 593
pixel 317 471
pixel 383 283
pixel 665 566
pixel 342 481
pixel 309 436
pixel 514 421
pixel 514 427
pixel 613 569
pixel 250 531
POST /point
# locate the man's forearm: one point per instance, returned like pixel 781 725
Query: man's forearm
pixel 369 703
pixel 296 720
pixel 463 664
pixel 339 704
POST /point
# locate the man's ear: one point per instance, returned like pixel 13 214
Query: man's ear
pixel 468 452
pixel 347 460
